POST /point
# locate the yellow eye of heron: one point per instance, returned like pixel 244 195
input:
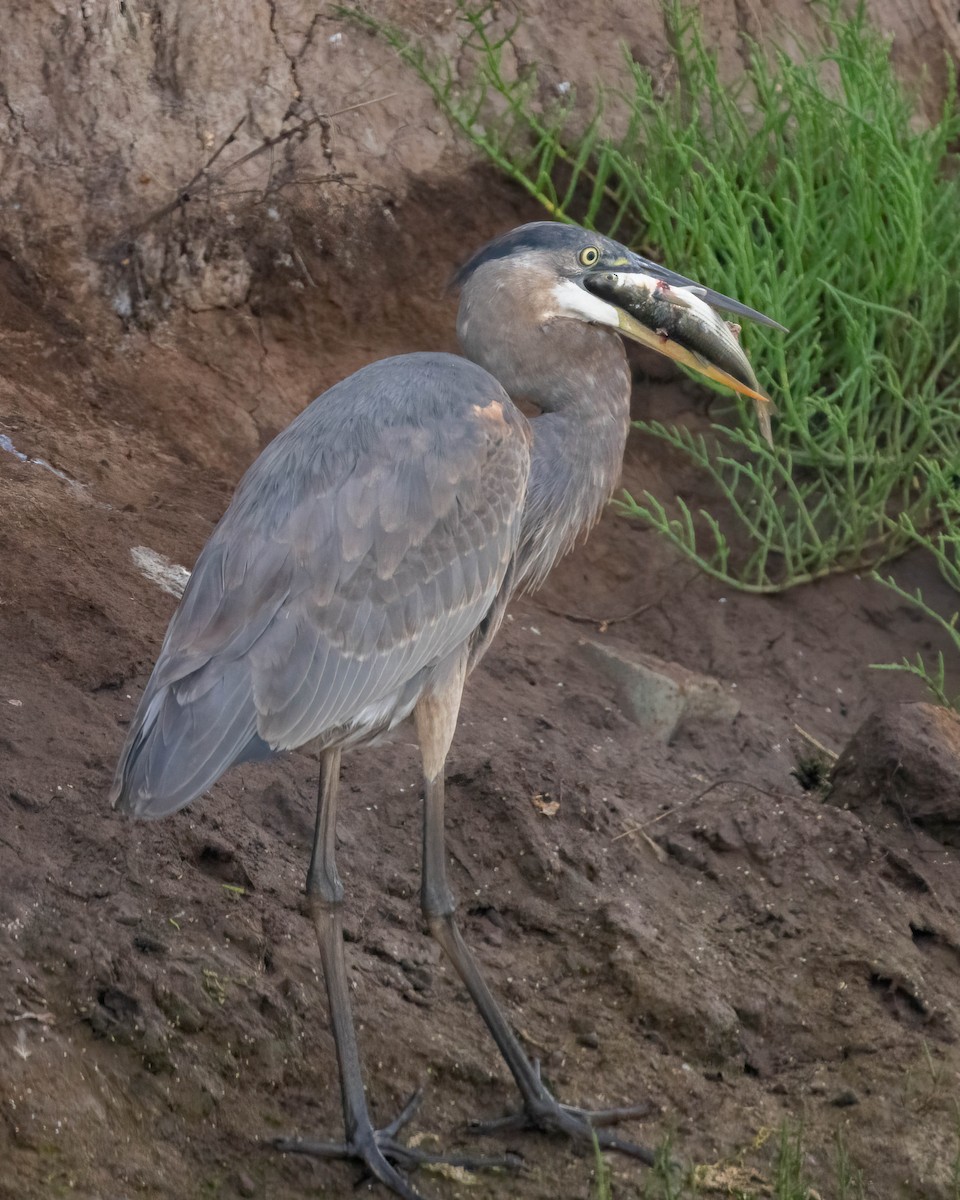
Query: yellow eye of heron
pixel 589 257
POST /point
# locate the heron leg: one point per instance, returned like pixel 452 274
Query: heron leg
pixel 377 1149
pixel 436 717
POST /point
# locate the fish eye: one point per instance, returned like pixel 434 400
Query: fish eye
pixel 589 256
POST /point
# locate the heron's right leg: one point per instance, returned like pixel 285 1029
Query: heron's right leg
pixel 436 716
pixel 377 1149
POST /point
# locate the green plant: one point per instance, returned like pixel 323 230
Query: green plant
pixel 663 1182
pixel 601 1171
pixel 849 1177
pixel 789 1177
pixel 944 480
pixel 806 190
pixel 666 1181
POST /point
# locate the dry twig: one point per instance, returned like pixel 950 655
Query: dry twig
pixel 183 195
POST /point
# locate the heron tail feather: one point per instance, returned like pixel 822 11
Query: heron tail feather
pixel 180 743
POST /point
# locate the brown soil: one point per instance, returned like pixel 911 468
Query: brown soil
pixel 690 928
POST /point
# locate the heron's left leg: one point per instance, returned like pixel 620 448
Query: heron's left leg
pixel 377 1149
pixel 436 717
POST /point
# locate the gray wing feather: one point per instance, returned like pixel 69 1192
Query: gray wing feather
pixel 221 725
pixel 368 541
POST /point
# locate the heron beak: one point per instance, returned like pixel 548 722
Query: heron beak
pixel 677 321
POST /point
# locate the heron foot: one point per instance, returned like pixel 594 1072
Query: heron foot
pixel 546 1114
pixel 381 1153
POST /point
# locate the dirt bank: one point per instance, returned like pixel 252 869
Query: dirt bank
pixel 689 928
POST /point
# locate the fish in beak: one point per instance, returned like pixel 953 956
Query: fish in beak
pixel 676 321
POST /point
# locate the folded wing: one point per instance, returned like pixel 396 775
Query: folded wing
pixel 366 544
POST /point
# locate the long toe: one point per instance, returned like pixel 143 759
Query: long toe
pixel 586 1131
pixel 600 1117
pixel 384 1158
pixel 377 1164
pixel 366 1151
pixel 548 1115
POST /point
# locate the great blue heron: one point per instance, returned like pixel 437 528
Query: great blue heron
pixel 364 566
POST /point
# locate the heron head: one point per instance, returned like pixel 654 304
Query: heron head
pixel 549 272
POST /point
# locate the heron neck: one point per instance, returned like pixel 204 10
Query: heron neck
pixel 576 374
pixel 576 461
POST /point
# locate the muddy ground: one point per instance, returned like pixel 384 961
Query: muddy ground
pixel 690 928
pixel 678 925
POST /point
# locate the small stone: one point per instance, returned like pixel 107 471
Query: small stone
pixel 845 1099
pixel 147 944
pixel 659 696
pixel 591 1040
pixel 245 1185
pixel 420 978
pixel 420 999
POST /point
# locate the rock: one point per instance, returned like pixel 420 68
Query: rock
pixel 659 696
pixel 178 1010
pixel 245 1185
pixel 903 763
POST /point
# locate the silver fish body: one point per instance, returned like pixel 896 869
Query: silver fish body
pixel 685 327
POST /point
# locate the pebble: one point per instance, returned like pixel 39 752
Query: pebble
pixel 245 1185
